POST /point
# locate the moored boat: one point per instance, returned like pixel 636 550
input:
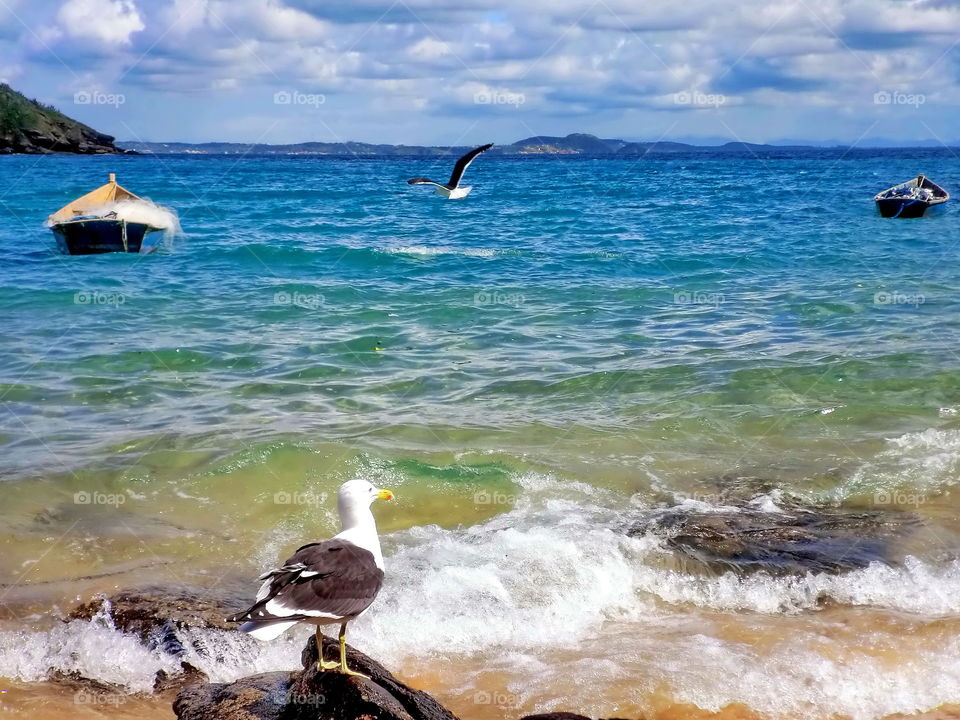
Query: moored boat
pixel 910 199
pixel 101 222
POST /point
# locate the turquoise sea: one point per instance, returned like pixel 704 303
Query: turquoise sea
pixel 579 343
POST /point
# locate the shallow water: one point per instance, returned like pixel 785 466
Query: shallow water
pixel 577 344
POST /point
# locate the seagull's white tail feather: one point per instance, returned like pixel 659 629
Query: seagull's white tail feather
pixel 266 631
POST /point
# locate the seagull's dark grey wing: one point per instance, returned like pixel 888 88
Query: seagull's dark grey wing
pixel 334 579
pixel 461 167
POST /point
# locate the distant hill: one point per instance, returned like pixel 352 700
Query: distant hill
pixel 573 144
pixel 26 126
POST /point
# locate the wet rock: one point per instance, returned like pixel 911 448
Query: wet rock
pixel 78 684
pixel 156 613
pixel 170 685
pixel 251 698
pixel 794 538
pixel 736 490
pixel 311 694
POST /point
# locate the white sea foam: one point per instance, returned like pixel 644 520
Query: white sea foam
pixel 768 502
pixel 924 462
pixel 800 676
pixel 916 587
pixel 425 251
pixel 94 649
pixel 558 572
pixel 553 565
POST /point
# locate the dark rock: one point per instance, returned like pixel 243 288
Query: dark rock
pixel 801 538
pixel 155 613
pixel 77 683
pixel 165 639
pixel 252 698
pixel 416 703
pixel 166 684
pixel 311 694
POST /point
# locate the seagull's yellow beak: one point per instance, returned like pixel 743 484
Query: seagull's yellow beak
pixel 385 495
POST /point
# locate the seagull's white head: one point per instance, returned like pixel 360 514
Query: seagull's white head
pixel 353 503
pixel 360 494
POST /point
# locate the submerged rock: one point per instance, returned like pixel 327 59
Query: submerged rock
pixel 156 613
pixel 311 694
pixel 793 537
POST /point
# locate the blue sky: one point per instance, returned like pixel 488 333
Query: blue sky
pixel 472 71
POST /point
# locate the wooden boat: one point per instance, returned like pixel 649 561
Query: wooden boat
pixel 88 226
pixel 910 199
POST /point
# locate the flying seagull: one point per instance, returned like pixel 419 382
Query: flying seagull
pixel 324 583
pixel 452 189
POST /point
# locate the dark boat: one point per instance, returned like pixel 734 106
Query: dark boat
pixel 910 199
pixel 90 224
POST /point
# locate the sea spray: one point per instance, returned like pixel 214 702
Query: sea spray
pixel 96 650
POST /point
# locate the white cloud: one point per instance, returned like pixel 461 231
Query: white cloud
pixel 614 59
pixel 429 48
pixel 263 19
pixel 8 73
pixel 110 21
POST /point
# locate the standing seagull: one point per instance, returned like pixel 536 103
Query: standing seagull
pixel 452 189
pixel 327 582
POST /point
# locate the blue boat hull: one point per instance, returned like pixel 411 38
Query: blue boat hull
pixel 95 236
pixel 904 208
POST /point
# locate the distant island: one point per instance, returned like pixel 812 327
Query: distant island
pixel 573 144
pixel 27 126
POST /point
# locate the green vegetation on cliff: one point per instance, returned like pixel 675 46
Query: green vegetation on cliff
pixel 27 126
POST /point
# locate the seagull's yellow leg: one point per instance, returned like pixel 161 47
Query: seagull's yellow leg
pixel 343 654
pixel 321 663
